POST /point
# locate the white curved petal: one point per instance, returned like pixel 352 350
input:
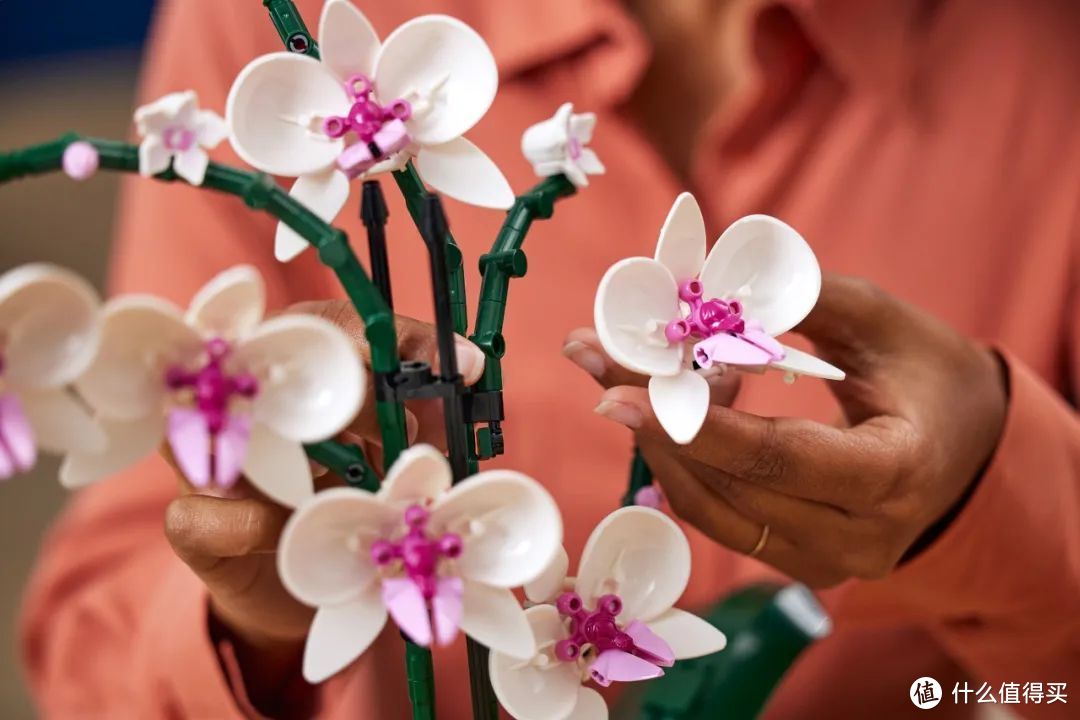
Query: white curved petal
pixel 154 157
pixel 590 163
pixel 590 706
pixel 323 193
pixel 348 44
pixel 765 264
pixel 191 165
pixel 636 299
pixel 681 403
pixel 311 379
pixel 50 322
pixel 461 170
pixel 641 555
pixel 445 69
pixel 801 363
pixel 681 247
pixel 548 584
pixel 688 635
pixel 582 126
pixel 210 129
pixel 419 475
pixel 341 633
pixel 229 306
pixel 323 555
pixel 278 467
pixel 141 337
pixel 61 423
pixel 128 441
pixel 510 527
pixel 544 143
pixel 493 617
pixel 275 109
pixel 177 107
pixel 543 689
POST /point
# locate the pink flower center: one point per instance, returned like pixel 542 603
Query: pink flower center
pixel 380 129
pixel 705 317
pixel 418 552
pixel 213 387
pixel 178 138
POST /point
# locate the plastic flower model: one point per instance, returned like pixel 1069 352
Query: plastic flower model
pixel 175 130
pixel 436 558
pixel 367 107
pixel 557 145
pixel 231 394
pixel 49 332
pixel 613 623
pixel 660 316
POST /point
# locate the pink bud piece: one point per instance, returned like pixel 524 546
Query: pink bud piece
pixel 690 290
pixel 648 496
pixel 80 160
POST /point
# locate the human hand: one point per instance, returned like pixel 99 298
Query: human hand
pixel 923 410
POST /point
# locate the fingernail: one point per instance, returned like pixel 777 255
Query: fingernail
pixel 470 359
pixel 585 358
pixel 622 413
pixel 412 426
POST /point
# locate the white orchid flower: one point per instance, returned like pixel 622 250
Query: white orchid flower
pixel 230 392
pixel 174 129
pixel 436 558
pixel 49 332
pixel 614 622
pixel 413 96
pixel 558 145
pixel 759 280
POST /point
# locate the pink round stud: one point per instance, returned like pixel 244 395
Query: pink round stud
pixel 648 496
pixel 80 160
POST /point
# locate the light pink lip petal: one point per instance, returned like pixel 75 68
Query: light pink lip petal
pixel 419 475
pixel 648 641
pixel 231 305
pixel 348 44
pixel 765 264
pixel 493 617
pixel 687 635
pixel 464 172
pixel 542 688
pixel 729 350
pixel 61 423
pixel 325 194
pixel 277 466
pixel 764 341
pixel 636 299
pixel 49 318
pixel 341 632
pixel 681 404
pixel 446 609
pixel 7 464
pixel 189 440
pixel 618 666
pixel 440 53
pixel 230 449
pixel 407 607
pixel 681 247
pixel 16 435
pixel 128 441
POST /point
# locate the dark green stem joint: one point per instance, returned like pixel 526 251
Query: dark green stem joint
pixel 345 461
pixel 290 26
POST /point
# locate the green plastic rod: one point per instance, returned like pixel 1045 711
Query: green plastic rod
pixel 345 461
pixel 290 26
pixel 640 476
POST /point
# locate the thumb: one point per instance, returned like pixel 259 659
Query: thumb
pixel 204 530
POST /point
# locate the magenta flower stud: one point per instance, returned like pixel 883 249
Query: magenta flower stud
pixel 682 310
pixel 559 145
pixel 174 129
pixel 50 328
pixel 436 558
pixel 367 107
pixel 614 622
pixel 232 394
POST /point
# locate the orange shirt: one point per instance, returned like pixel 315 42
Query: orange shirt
pixel 930 146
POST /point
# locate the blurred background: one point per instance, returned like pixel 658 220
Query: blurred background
pixel 64 65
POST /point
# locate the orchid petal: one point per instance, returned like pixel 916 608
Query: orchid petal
pixel 311 380
pixel 445 69
pixel 548 584
pixel 142 336
pixel 277 466
pixel 681 404
pixel 510 527
pixel 536 690
pixel 801 363
pixel 274 111
pixel 620 666
pixel 50 323
pixel 128 441
pixel 725 349
pixel 636 300
pixel 61 423
pixel 406 605
pixel 590 163
pixel 154 157
pixel 681 247
pixel 230 450
pixel 581 127
pixel 419 475
pixel 189 440
pixel 766 265
pixel 18 445
pixel 340 633
pixel 461 170
pixel 178 107
pixel 348 44
pixel 323 554
pixel 231 305
pixel 191 165
pixel 641 555
pixel 688 635
pixel 210 129
pixel 590 706
pixel 447 607
pixel 493 617
pixel 323 193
